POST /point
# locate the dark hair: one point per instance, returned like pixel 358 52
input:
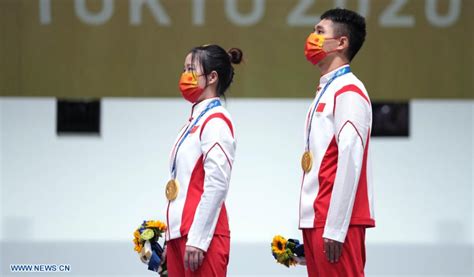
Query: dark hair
pixel 214 58
pixel 348 23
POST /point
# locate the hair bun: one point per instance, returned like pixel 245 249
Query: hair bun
pixel 235 55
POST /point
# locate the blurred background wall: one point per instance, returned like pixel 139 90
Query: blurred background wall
pixel 78 48
pixel 76 199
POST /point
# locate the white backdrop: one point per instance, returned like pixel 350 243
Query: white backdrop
pixel 99 188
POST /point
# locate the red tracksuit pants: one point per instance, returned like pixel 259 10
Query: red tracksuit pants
pixel 215 259
pixel 350 264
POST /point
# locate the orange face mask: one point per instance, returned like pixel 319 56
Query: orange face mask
pixel 188 85
pixel 313 49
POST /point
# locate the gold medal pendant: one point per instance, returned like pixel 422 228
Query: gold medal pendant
pixel 307 161
pixel 172 189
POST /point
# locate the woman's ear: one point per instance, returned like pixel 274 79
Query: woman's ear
pixel 213 78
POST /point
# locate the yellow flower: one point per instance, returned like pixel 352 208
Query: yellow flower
pixel 136 234
pixel 156 224
pixel 279 245
pixel 138 245
pixel 138 248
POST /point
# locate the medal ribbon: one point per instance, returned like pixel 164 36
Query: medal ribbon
pixel 213 104
pixel 339 73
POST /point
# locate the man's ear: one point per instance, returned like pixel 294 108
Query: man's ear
pixel 343 43
pixel 213 78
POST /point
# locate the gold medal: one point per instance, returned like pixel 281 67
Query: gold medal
pixel 172 189
pixel 307 161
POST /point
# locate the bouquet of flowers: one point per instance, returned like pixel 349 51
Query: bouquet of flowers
pixel 146 245
pixel 288 252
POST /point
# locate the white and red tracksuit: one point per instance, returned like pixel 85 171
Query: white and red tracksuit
pixel 336 200
pixel 198 217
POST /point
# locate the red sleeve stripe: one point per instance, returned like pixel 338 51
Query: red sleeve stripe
pixel 349 88
pixel 344 125
pixel 227 157
pixel 217 115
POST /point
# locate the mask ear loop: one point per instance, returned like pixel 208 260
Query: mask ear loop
pixel 197 76
pixel 207 84
pixel 331 51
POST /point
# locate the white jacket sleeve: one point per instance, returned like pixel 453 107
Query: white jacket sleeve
pixel 352 120
pixel 218 148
